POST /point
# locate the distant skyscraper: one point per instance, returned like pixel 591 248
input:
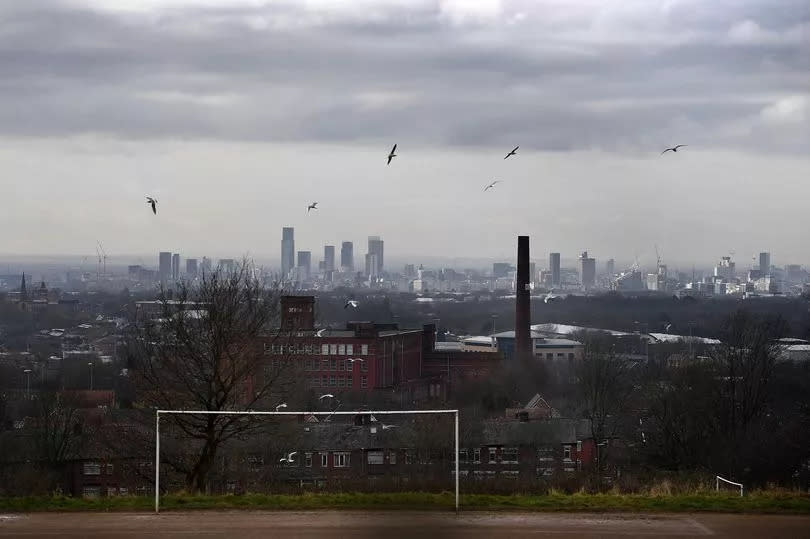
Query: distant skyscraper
pixel 588 270
pixel 206 265
pixel 610 267
pixel 410 271
pixel 329 258
pixel 227 265
pixel 304 264
pixel 191 267
pixel 765 263
pixel 372 265
pixel 176 267
pixel 375 247
pixel 501 269
pixel 287 250
pixel 347 256
pixel 554 267
pixel 164 267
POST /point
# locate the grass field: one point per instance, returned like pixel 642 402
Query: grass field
pixel 756 502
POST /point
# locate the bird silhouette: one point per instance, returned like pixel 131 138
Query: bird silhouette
pixel 386 427
pixel 289 457
pixel 152 202
pixel 392 154
pixel 513 152
pixel 313 206
pixel 673 149
pixel 326 396
pixel 490 186
pixel 282 405
pixel 351 303
pixel 352 360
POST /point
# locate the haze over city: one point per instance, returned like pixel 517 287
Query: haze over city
pixel 238 114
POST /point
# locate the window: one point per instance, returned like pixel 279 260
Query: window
pixel 324 364
pixel 92 468
pixel 91 492
pixel 308 460
pixel 363 366
pixel 340 460
pixel 123 491
pixel 375 457
pixel 349 349
pixel 341 349
pixel 332 349
pixel 324 460
pixel 477 455
pixel 549 356
pixel 567 452
pixel 509 455
pixel 255 462
pixel 570 357
pixel 341 365
pixel 333 381
pixel 324 381
pixel 341 381
pixel 324 349
pixel 579 446
pixel 492 455
pixel 392 457
pixel 111 491
pixel 110 469
pixel 408 456
pixel 463 456
pixel 560 355
pixel 316 381
pixel 364 382
pixel 363 349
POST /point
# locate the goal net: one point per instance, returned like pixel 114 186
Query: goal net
pixel 289 452
pixel 725 485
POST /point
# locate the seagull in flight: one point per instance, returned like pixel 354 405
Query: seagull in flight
pixel 282 405
pixel 289 457
pixel 673 149
pixel 351 303
pixel 666 328
pixel 326 396
pixel 313 206
pixel 352 360
pixel 152 202
pixel 513 152
pixel 386 427
pixel 550 297
pixel 392 154
pixel 490 186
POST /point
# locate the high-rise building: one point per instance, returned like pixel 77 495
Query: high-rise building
pixel 375 247
pixel 501 269
pixel 227 265
pixel 554 267
pixel 328 258
pixel 610 267
pixel 304 264
pixel 287 250
pixel 372 265
pixel 765 263
pixel 206 265
pixel 191 267
pixel 176 267
pixel 588 270
pixel 347 256
pixel 726 269
pixel 164 266
pixel 410 271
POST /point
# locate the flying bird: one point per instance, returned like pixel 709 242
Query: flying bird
pixel 513 152
pixel 282 405
pixel 386 427
pixel 550 297
pixel 490 186
pixel 313 206
pixel 673 149
pixel 152 202
pixel 351 303
pixel 289 457
pixel 352 360
pixel 326 396
pixel 392 154
pixel 666 328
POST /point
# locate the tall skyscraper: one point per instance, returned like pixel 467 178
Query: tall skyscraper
pixel 588 270
pixel 164 267
pixel 765 263
pixel 372 265
pixel 206 265
pixel 328 258
pixel 554 267
pixel 287 250
pixel 375 247
pixel 610 267
pixel 347 256
pixel 176 267
pixel 191 267
pixel 304 264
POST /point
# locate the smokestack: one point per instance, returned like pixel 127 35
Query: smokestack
pixel 523 342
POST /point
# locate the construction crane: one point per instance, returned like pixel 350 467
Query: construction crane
pixel 102 257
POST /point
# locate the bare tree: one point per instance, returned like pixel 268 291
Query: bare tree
pixel 205 352
pixel 60 429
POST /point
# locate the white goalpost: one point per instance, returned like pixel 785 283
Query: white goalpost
pixel 717 480
pixel 307 413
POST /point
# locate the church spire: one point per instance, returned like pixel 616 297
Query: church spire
pixel 23 293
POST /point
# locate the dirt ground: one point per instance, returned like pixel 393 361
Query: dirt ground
pixel 397 524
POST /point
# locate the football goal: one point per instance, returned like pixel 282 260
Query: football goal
pixel 725 484
pixel 325 416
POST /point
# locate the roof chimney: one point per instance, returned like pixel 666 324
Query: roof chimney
pixel 523 343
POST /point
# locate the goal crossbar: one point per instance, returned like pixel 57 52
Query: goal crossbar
pixel 293 413
pixel 717 480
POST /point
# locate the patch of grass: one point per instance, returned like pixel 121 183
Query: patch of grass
pixel 755 502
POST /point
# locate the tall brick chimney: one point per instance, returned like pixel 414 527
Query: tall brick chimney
pixel 523 342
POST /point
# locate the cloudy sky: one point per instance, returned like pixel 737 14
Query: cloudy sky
pixel 236 114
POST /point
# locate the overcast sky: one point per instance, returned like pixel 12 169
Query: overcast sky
pixel 237 114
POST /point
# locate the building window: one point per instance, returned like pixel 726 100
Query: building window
pixel 324 460
pixel 579 446
pixel 341 349
pixel 341 365
pixel 509 455
pixel 308 460
pixel 363 349
pixel 332 349
pixel 324 364
pixel 340 460
pixel 408 456
pixel 392 457
pixel 477 455
pixel 91 468
pixel 333 381
pixel 341 381
pixel 492 455
pixel 560 355
pixel 567 452
pixel 549 356
pixel 364 381
pixel 111 491
pixel 324 349
pixel 324 381
pixel 349 349
pixel 110 469
pixel 123 491
pixel 463 456
pixel 316 381
pixel 375 457
pixel 91 492
pixel 363 366
pixel 570 357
